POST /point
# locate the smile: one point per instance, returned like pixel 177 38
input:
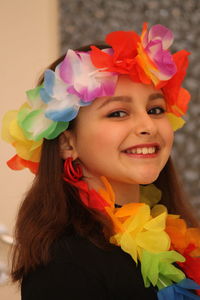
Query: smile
pixel 143 150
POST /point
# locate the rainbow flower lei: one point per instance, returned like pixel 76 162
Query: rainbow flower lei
pixel 83 76
pixel 150 235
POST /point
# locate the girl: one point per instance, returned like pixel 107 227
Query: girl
pixel 98 131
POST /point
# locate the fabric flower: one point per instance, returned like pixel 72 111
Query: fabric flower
pixel 191 266
pixel 28 151
pixel 141 231
pixel 154 57
pixel 176 122
pixel 83 79
pixel 179 291
pixel 122 60
pixel 34 123
pixel 157 268
pixel 25 130
pixel 187 242
pixel 17 163
pixel 177 98
pixel 89 197
pixel 60 105
pixel 13 134
pixel 150 194
pixel 181 236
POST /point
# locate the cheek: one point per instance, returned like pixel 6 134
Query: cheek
pixel 99 138
pixel 167 134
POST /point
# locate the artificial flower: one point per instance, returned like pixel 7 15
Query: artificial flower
pixel 157 268
pixel 176 122
pixel 153 54
pixel 141 231
pixel 34 123
pixel 186 241
pixel 181 236
pixel 191 265
pixel 177 98
pixel 84 79
pixel 150 194
pixel 17 163
pixel 89 197
pixel 179 291
pixel 13 134
pixel 122 60
pixel 60 105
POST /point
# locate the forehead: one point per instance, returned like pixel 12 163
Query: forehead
pixel 126 86
pixel 129 91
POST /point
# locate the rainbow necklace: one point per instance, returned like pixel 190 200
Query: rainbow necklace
pixel 157 239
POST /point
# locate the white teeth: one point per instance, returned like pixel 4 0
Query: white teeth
pixel 151 150
pixel 143 150
pixel 138 150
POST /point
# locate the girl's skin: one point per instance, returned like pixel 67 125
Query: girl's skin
pixel 133 117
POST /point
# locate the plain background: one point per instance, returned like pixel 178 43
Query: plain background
pixel 29 43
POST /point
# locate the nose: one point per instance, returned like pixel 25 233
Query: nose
pixel 145 125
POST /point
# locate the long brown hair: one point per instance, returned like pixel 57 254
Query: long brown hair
pixel 52 207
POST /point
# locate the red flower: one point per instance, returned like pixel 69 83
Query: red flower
pixel 90 198
pixel 124 45
pixel 191 266
pixel 18 163
pixel 177 98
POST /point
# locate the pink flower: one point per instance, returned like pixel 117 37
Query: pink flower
pixel 84 79
pixel 155 43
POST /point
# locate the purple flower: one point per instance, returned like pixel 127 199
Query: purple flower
pixel 156 43
pixel 84 79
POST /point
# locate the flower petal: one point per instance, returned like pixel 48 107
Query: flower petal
pixel 65 110
pixel 160 32
pixel 36 126
pixel 34 97
pixel 176 122
pixel 65 114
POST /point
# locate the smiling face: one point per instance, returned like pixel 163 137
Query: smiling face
pixel 127 137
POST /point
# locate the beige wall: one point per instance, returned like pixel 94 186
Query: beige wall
pixel 29 42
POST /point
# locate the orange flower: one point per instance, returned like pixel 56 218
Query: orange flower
pixel 181 236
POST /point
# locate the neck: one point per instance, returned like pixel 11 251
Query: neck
pixel 124 192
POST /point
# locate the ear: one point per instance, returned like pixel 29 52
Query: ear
pixel 67 145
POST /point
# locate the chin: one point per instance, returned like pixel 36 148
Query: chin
pixel 148 178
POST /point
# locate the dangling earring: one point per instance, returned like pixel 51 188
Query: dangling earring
pixel 70 172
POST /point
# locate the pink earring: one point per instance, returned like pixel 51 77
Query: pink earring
pixel 70 172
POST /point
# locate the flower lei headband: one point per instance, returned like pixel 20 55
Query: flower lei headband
pixel 83 76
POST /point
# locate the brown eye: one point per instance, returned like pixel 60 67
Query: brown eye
pixel 156 111
pixel 117 114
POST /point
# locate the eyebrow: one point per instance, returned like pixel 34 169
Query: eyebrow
pixel 156 96
pixel 129 99
pixel 115 99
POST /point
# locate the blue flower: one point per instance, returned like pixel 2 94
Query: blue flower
pixel 179 291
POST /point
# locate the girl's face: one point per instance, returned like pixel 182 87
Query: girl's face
pixel 126 137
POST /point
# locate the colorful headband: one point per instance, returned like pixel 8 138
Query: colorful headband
pixel 83 76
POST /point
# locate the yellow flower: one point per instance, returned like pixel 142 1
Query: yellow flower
pixel 142 231
pixel 13 134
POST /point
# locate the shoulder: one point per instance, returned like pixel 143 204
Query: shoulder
pixel 80 268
